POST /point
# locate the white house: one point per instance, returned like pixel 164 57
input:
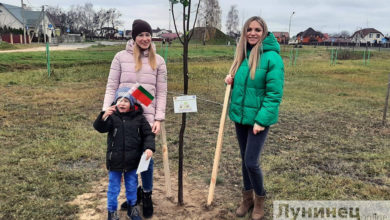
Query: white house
pixel 365 35
pixel 35 21
pixel 158 32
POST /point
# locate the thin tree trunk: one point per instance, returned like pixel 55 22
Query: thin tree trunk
pixel 183 121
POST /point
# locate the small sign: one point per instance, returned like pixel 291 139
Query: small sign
pixel 50 26
pixel 184 104
pixel 68 30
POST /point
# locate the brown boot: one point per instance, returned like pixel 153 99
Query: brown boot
pixel 258 210
pixel 246 204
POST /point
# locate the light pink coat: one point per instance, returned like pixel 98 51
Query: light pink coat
pixel 123 74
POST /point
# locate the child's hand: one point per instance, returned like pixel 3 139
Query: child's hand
pixel 149 153
pixel 109 112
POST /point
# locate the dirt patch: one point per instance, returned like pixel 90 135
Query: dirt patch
pixel 93 205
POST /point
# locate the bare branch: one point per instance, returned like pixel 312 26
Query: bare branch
pixel 184 23
pixel 188 13
pixel 174 23
pixel 196 16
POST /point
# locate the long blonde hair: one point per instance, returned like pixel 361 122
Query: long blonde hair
pixel 254 57
pixel 137 57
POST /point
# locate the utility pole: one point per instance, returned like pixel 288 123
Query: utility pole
pixel 289 26
pixel 24 24
pixel 169 28
pixel 44 23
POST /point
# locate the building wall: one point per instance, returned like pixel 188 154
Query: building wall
pixel 43 27
pixel 8 19
pixel 373 37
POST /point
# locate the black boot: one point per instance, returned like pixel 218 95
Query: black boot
pixel 140 193
pixel 139 198
pixel 124 206
pixel 133 213
pixel 113 215
pixel 147 204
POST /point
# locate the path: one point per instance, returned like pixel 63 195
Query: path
pixel 74 46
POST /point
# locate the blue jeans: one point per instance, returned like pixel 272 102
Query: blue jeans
pixel 114 187
pixel 147 178
pixel 250 149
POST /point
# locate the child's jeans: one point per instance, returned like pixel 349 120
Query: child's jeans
pixel 147 178
pixel 114 187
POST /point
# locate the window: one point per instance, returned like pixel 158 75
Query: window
pixel 370 36
pixel 378 35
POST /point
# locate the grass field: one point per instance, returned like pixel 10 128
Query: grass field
pixel 329 143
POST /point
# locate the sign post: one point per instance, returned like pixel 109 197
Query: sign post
pixel 48 58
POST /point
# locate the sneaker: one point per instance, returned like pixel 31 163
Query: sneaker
pixel 147 204
pixel 133 213
pixel 139 198
pixel 113 215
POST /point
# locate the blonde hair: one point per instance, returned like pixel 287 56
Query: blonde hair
pixel 137 57
pixel 254 57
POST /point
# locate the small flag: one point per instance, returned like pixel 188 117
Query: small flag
pixel 142 95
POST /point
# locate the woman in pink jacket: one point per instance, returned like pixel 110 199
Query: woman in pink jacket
pixel 139 63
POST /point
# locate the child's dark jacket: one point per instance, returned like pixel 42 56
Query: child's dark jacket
pixel 129 135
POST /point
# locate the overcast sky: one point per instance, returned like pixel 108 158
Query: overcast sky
pixel 327 16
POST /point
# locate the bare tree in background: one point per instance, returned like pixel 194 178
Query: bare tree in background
pixel 232 21
pixel 88 20
pixel 114 21
pixel 343 34
pixel 85 19
pixel 60 15
pixel 210 14
pixel 184 39
pixel 210 18
pixel 102 19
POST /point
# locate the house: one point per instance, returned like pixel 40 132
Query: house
pixel 36 22
pixel 169 36
pixel 282 37
pixel 127 34
pixel 158 32
pixel 310 36
pixel 367 35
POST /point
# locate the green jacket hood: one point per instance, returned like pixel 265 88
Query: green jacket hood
pixel 270 43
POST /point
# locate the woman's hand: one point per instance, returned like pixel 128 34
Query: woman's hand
pixel 257 129
pixel 109 112
pixel 156 127
pixel 229 79
pixel 149 153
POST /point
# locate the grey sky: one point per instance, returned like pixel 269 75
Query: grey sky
pixel 328 16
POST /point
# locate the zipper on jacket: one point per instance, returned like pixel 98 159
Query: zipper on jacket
pixel 124 148
pixel 113 138
pixel 243 98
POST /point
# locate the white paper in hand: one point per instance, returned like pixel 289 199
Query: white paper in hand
pixel 143 164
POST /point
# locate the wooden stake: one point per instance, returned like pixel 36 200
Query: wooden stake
pixel 386 103
pixel 218 149
pixel 167 174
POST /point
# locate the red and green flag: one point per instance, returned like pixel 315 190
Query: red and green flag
pixel 143 96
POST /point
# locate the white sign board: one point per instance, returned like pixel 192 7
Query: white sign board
pixel 184 104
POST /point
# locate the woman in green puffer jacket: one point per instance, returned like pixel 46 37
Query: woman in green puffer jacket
pixel 256 76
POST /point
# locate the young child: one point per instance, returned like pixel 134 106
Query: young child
pixel 129 136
